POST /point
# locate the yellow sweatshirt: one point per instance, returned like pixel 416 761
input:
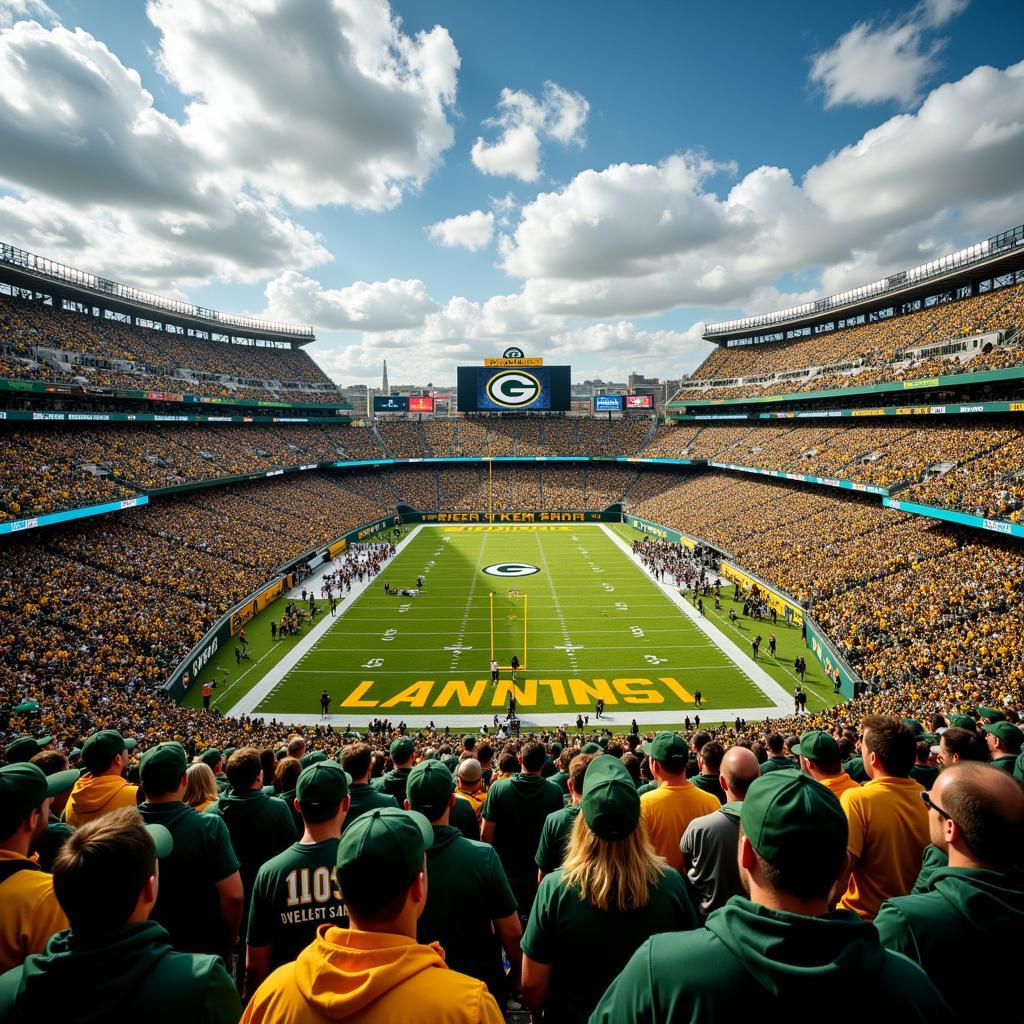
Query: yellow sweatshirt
pixel 374 977
pixel 29 913
pixel 96 795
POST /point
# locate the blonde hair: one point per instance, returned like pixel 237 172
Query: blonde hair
pixel 612 874
pixel 200 784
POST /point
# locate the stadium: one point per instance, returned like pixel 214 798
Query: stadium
pixel 703 667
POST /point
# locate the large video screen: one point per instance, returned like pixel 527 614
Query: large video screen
pixel 390 403
pixel 608 403
pixel 510 389
pixel 421 403
pixel 639 401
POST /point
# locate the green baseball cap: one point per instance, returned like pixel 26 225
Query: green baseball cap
pixel 24 748
pixel 402 749
pixel 429 788
pixel 962 722
pixel 1008 734
pixel 991 714
pixel 556 749
pixel 610 804
pixel 796 824
pixel 211 757
pixel 818 746
pixel 590 748
pixel 102 747
pixel 161 767
pixel 227 752
pixel 381 852
pixel 323 782
pixel 313 757
pixel 23 787
pixel 914 726
pixel 670 750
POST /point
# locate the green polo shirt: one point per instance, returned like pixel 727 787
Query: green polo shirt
pixel 777 763
pixel 710 784
pixel 466 890
pixel 362 798
pixel 518 806
pixel 393 783
pixel 965 926
pixel 587 947
pixel 188 904
pixel 854 767
pixel 924 775
pixel 1005 762
pixel 554 838
pixel 295 893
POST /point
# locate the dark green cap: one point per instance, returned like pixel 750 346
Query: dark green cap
pixel 102 747
pixel 323 782
pixel 669 749
pixel 402 749
pixel 24 748
pixel 590 748
pixel 818 746
pixel 610 804
pixel 227 752
pixel 914 726
pixel 211 757
pixel 796 824
pixel 429 788
pixel 1008 734
pixel 313 757
pixel 556 749
pixel 991 714
pixel 23 787
pixel 962 722
pixel 161 768
pixel 381 853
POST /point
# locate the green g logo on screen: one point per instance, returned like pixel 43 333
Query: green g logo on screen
pixel 513 389
pixel 509 569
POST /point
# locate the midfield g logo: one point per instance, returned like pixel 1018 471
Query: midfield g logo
pixel 514 389
pixel 510 569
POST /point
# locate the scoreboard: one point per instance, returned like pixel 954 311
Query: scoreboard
pixel 514 389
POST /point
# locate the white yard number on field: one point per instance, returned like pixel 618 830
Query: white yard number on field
pixel 389 635
pixel 621 606
pixel 636 631
pixel 373 663
pixel 653 659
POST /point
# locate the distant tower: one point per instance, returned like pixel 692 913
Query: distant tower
pixel 384 383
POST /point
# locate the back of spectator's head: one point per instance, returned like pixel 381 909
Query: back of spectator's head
pixel 286 774
pixel 669 751
pixel 797 833
pixel 469 771
pixel 296 746
pixel 106 869
pixel 985 806
pixel 776 744
pixel 698 739
pixel 356 759
pixel 760 751
pixel 957 745
pixel 244 767
pixel 889 745
pixel 485 754
pixel 577 770
pixel 711 754
pixel 469 742
pixel 821 750
pixel 739 769
pixel 632 763
pixel 321 790
pixel 533 756
pixel 508 762
pixel 200 784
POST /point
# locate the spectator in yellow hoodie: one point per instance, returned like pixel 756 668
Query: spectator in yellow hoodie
pixel 375 971
pixel 102 788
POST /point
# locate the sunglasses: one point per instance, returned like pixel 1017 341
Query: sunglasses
pixel 927 801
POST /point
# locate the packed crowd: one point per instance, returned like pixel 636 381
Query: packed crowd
pixel 874 350
pixel 389 875
pixel 110 353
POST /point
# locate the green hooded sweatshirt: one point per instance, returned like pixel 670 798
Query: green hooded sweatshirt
pixel 965 926
pixel 131 974
pixel 751 962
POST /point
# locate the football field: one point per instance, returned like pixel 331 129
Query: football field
pixel 587 623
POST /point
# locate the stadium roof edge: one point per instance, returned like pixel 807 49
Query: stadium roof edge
pixel 1006 247
pixel 27 270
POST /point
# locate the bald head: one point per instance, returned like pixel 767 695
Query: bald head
pixel 985 823
pixel 739 769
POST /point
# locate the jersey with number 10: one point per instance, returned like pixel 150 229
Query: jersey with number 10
pixel 295 893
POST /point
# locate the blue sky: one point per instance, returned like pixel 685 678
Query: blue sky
pixel 691 162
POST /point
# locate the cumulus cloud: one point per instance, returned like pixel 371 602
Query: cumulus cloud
pixel 637 239
pixel 524 121
pixel 875 63
pixel 17 10
pixel 470 231
pixel 377 306
pixel 308 103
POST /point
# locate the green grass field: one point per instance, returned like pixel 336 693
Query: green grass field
pixel 596 626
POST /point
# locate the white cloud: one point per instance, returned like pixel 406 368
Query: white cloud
pixel 17 10
pixel 525 120
pixel 876 63
pixel 471 231
pixel 312 102
pixel 638 239
pixel 378 306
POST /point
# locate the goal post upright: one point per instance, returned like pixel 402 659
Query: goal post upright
pixel 491 596
pixel 526 618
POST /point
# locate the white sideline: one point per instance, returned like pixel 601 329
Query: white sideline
pixel 252 700
pixel 472 720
